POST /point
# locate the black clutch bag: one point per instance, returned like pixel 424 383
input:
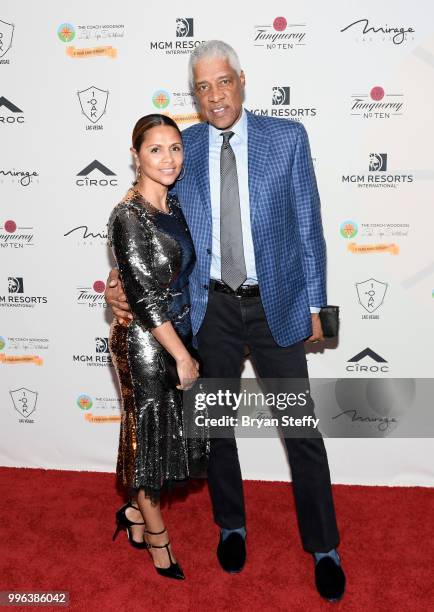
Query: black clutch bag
pixel 168 369
pixel 329 316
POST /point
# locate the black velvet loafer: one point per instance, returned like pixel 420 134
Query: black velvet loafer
pixel 329 579
pixel 231 553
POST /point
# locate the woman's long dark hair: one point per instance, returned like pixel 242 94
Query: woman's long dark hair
pixel 146 123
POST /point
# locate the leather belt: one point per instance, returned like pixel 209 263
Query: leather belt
pixel 241 292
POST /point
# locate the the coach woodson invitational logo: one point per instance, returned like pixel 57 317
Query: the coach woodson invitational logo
pixel 96 175
pixel 22 349
pixel 378 231
pixel 382 237
pixel 366 31
pixel 6 38
pixel 378 175
pixel 92 296
pixel 182 108
pixel 16 296
pixel 377 104
pixel 24 401
pixel 97 410
pixel 93 103
pixel 367 362
pixel 15 236
pixel 284 103
pixel 100 356
pixel 371 295
pixel 10 112
pixel 182 40
pixel 85 235
pixel 280 35
pixel 99 33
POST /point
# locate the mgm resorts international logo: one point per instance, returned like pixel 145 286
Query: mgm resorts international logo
pixel 100 356
pixel 377 104
pixel 377 175
pixel 93 104
pixel 24 401
pixel 10 112
pixel 280 35
pixel 367 362
pixel 101 176
pixel 183 41
pixel 281 106
pixel 371 294
pixel 6 37
pixel 13 236
pixel 16 297
pixel 98 410
pixel 93 296
pixel 364 31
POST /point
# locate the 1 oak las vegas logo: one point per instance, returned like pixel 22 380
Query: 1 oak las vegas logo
pixel 371 294
pixel 24 401
pixel 93 104
pixel 6 38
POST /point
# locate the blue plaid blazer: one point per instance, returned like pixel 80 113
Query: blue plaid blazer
pixel 285 217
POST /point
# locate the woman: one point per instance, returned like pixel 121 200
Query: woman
pixel 155 255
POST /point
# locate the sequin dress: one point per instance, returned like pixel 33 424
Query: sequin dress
pixel 155 256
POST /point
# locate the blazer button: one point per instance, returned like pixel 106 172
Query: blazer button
pixel 208 251
pixel 206 286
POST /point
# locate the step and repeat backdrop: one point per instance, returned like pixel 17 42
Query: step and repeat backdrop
pixel 75 77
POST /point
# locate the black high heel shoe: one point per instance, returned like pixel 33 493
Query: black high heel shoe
pixel 124 523
pixel 174 570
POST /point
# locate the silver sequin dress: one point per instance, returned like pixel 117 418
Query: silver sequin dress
pixel 155 256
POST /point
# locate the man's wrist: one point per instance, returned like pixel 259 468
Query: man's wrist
pixel 314 309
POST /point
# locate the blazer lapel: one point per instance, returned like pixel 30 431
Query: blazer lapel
pixel 258 146
pixel 200 157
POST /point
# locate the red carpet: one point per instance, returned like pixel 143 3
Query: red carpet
pixel 56 530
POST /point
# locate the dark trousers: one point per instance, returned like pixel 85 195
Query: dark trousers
pixel 231 323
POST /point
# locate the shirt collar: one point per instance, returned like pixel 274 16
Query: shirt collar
pixel 239 130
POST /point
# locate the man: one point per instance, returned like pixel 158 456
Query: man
pixel 250 199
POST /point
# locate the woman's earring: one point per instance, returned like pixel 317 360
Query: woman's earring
pixel 138 173
pixel 183 174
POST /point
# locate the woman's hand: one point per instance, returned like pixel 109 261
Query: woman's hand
pixel 188 372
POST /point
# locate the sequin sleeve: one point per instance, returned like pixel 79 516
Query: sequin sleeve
pixel 131 241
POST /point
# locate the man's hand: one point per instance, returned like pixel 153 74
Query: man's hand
pixel 317 334
pixel 115 297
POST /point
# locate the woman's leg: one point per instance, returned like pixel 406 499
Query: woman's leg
pixel 151 513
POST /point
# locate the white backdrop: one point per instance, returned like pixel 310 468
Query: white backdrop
pixel 74 78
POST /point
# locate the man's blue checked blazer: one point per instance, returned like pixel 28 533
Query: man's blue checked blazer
pixel 285 218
